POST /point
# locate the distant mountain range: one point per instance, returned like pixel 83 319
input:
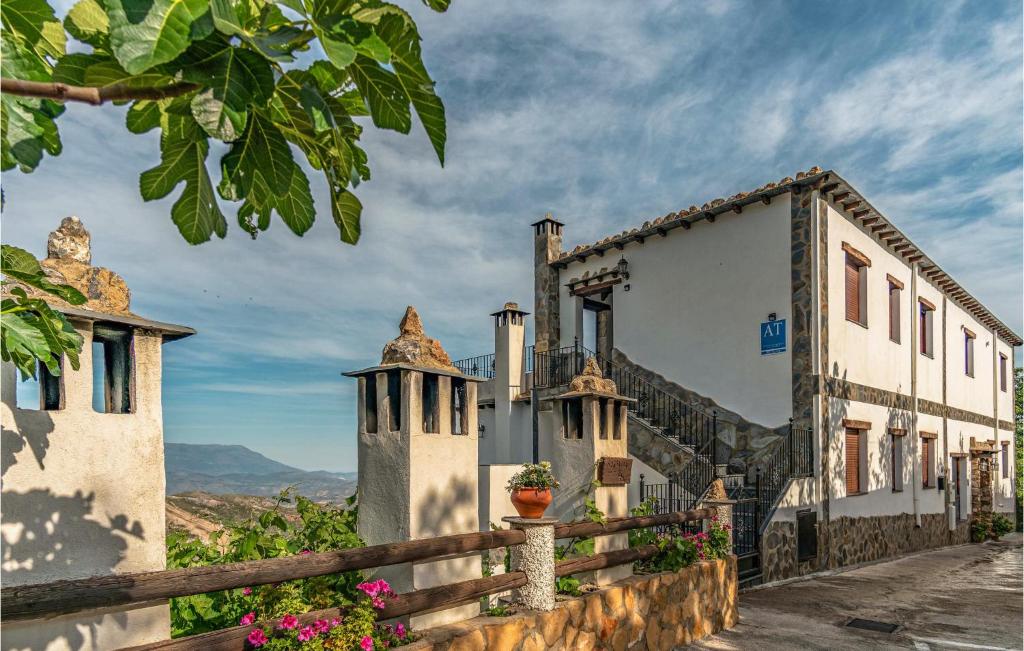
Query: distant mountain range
pixel 237 470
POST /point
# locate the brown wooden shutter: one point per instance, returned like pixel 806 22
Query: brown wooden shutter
pixel 852 461
pixel 852 290
pixel 923 328
pixel 926 463
pixel 894 312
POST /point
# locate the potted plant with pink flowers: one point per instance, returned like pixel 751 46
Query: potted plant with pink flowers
pixel 530 489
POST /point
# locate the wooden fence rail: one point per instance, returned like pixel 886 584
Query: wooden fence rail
pixel 64 597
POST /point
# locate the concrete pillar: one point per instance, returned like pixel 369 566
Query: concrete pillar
pixel 547 246
pixel 509 339
pixel 535 558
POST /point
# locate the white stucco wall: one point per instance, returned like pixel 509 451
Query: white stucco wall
pixel 963 391
pixel 859 354
pixel 929 368
pixel 696 300
pixel 83 495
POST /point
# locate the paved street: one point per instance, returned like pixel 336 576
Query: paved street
pixel 966 597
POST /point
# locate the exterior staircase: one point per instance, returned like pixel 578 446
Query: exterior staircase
pixel 680 441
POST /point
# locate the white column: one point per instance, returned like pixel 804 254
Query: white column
pixel 509 337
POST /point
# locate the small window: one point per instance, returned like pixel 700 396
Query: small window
pixel 1004 460
pixel 459 406
pixel 429 393
pixel 618 413
pixel 43 392
pixel 1002 372
pixel 394 401
pixel 928 462
pixel 926 326
pixel 895 291
pixel 856 294
pixel 853 461
pixel 370 403
pixel 602 406
pixel 968 352
pixel 896 439
pixel 112 362
pixel 572 419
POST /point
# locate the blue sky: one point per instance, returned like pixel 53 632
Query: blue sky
pixel 606 114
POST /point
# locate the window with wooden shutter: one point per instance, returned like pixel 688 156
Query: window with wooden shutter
pixel 852 461
pixel 927 311
pixel 926 462
pixel 856 274
pixel 968 352
pixel 894 309
pixel 896 438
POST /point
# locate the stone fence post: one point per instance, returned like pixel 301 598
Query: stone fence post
pixel 717 499
pixel 535 558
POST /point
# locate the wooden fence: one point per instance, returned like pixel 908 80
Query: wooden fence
pixel 38 601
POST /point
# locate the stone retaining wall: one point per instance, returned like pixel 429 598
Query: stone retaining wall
pixel 857 540
pixel 659 611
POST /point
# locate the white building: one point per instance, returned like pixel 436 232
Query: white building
pixel 790 337
pixel 83 460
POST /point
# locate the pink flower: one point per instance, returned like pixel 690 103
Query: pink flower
pixel 321 626
pixel 306 633
pixel 378 603
pixel 399 630
pixel 247 591
pixel 335 622
pixel 370 589
pixel 304 552
pixel 367 643
pixel 257 638
pixel 288 622
pixel 247 619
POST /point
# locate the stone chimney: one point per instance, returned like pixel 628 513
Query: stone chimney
pixel 547 246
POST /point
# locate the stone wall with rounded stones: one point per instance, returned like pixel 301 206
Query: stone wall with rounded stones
pixel 651 612
pixel 857 540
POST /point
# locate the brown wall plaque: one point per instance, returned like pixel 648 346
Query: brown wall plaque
pixel 614 471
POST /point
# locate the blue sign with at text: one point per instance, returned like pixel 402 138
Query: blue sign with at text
pixel 773 337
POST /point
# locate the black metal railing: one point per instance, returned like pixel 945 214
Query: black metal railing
pixel 746 526
pixel 792 458
pixel 479 366
pixel 666 498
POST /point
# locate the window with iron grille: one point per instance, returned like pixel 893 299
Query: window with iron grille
pixel 1002 372
pixel 1004 460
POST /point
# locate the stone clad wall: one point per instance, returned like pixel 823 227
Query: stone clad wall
pixel 857 540
pixel 659 611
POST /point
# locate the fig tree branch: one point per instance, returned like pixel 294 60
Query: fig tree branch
pixel 91 94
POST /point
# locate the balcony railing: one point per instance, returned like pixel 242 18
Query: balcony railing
pixel 479 366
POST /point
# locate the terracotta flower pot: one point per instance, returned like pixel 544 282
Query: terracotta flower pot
pixel 531 502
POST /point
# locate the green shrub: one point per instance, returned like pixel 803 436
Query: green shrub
pixel 981 527
pixel 1001 525
pixel 266 535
